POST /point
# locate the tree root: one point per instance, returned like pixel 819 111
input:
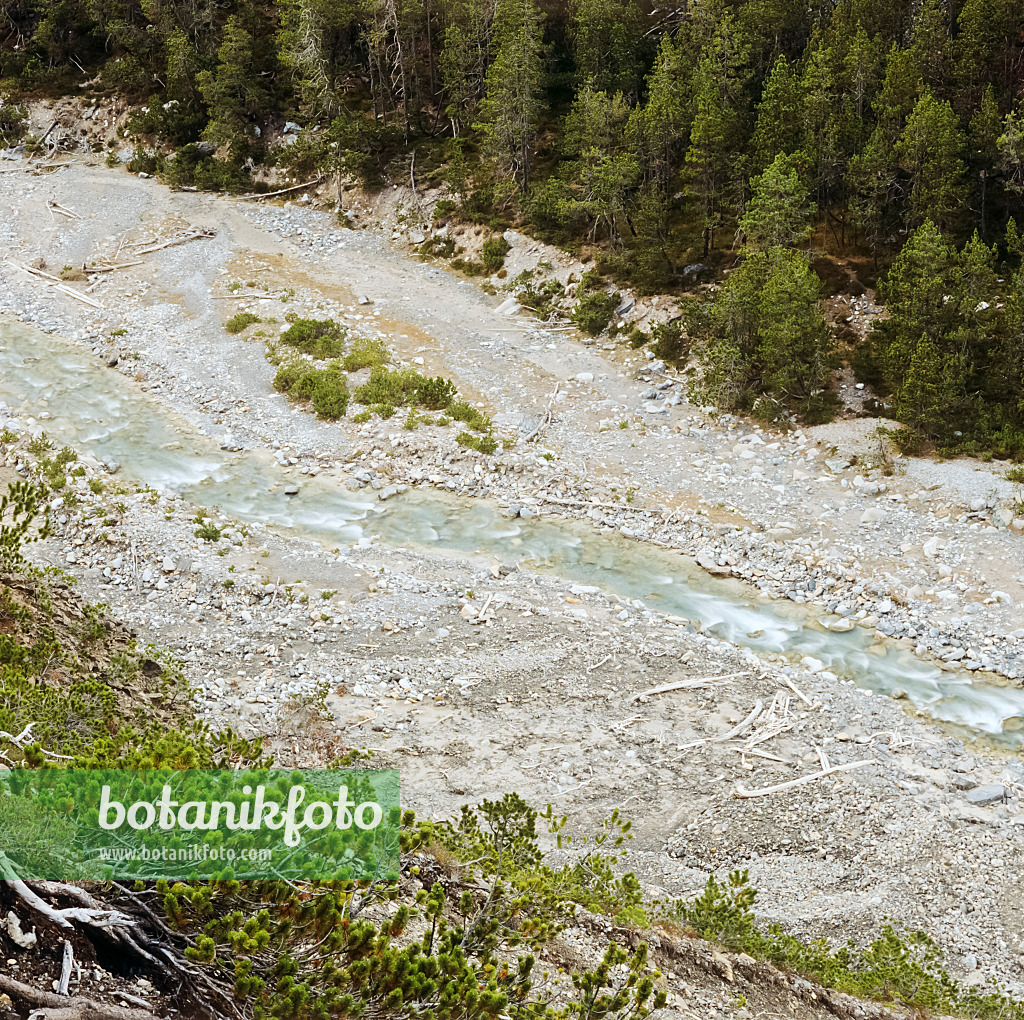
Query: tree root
pixel 51 1006
pixel 162 955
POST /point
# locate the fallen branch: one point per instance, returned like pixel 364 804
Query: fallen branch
pixel 546 418
pixel 679 685
pixel 197 235
pixel 63 210
pixel 94 916
pixel 112 268
pixel 759 754
pixel 602 506
pixel 803 780
pixel 799 693
pixel 65 969
pixel 734 732
pixel 284 191
pixel 56 283
pixel 53 1006
pixel 34 167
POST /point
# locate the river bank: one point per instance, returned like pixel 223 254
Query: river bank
pixel 531 686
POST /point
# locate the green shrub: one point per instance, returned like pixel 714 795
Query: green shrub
pixel 190 169
pixel 13 124
pixel 209 532
pixel 594 309
pixel 435 394
pixel 330 397
pixel 469 268
pixel 462 411
pixel 366 353
pixel 439 246
pixel 320 338
pixel 493 253
pixel 324 387
pixel 241 321
pixel 396 388
pixel 482 444
pixel 144 161
pixel 670 342
pixel 540 297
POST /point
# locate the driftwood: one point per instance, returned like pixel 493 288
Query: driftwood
pixel 112 268
pixel 680 685
pixel 803 780
pixel 545 419
pixel 734 732
pixel 600 506
pixel 56 283
pixel 759 754
pixel 799 693
pixel 53 1006
pixel 35 167
pixel 196 235
pixel 65 969
pixel 283 191
pixel 63 210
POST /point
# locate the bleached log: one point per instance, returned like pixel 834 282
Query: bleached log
pixel 803 780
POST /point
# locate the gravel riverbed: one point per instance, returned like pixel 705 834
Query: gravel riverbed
pixel 475 675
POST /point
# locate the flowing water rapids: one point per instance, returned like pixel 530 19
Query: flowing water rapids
pixel 99 411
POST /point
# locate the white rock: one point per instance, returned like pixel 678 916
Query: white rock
pixel 811 664
pixel 26 940
pixel 872 515
pixel 1002 518
pixel 585 377
pixel 841 626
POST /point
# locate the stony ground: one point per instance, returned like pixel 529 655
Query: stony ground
pixel 476 677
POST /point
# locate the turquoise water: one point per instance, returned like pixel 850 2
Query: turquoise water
pixel 97 410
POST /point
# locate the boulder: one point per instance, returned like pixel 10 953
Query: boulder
pixel 1002 518
pixel 990 793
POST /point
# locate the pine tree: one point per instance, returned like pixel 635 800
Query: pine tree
pixel 762 343
pixel 985 48
pixel 512 104
pixel 929 150
pixel 465 57
pixel 983 155
pixel 862 68
pixel 658 129
pixel 873 175
pixel 779 116
pixel 606 41
pixel 711 165
pixel 603 171
pixel 1011 150
pixel 942 338
pixel 795 346
pixel 931 45
pixel 317 45
pixel 778 214
pixel 234 92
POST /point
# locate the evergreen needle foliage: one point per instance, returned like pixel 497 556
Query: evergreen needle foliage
pixel 667 149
